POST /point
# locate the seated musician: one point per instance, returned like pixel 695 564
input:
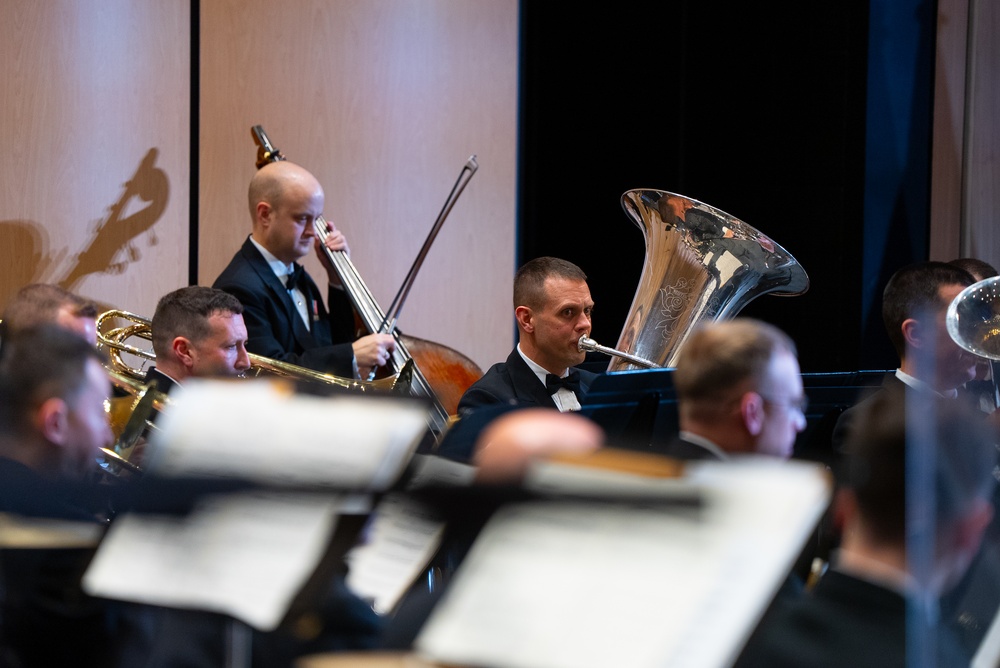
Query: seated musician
pixel 52 426
pixel 284 312
pixel 739 390
pixel 914 304
pixel 552 306
pixel 877 606
pixel 40 303
pixel 197 332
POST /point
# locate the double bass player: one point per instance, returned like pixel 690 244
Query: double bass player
pixel 283 308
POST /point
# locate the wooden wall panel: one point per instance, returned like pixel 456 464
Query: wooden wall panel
pixel 384 101
pixel 982 205
pixel 948 129
pixel 94 184
pixel 965 199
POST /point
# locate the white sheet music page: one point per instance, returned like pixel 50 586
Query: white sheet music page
pixel 258 430
pixel 245 555
pixel 596 584
pixel 403 537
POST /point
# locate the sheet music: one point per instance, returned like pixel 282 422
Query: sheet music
pixel 575 585
pixel 403 537
pixel 988 654
pixel 20 531
pixel 434 471
pixel 245 555
pixel 257 430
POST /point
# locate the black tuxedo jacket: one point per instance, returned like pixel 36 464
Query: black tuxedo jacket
pixel 844 622
pixel 681 448
pixel 274 328
pixel 164 383
pixel 514 383
pixel 889 384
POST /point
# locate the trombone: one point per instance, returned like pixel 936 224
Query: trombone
pixel 131 416
pixel 114 339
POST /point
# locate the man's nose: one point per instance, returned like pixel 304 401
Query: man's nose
pixel 242 359
pixel 800 421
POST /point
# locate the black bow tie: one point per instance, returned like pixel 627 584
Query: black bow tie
pixel 295 279
pixel 570 382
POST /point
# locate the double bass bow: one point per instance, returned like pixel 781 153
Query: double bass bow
pixel 460 370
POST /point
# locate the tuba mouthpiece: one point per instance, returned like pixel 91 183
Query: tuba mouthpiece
pixel 587 344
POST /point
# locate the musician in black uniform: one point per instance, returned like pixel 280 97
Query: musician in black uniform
pixel 52 426
pixel 861 610
pixel 42 303
pixel 553 308
pixel 914 305
pixel 285 316
pixel 739 390
pixel 197 332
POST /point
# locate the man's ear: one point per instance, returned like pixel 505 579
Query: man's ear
pixel 845 508
pixel 182 351
pixel 752 412
pixel 524 318
pixel 52 420
pixel 970 528
pixel 913 333
pixel 263 210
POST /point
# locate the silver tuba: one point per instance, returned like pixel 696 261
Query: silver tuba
pixel 973 318
pixel 701 264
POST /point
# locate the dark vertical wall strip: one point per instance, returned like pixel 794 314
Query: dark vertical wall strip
pixel 897 167
pixel 195 103
pixel 755 108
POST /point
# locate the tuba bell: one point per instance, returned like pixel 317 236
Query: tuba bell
pixel 701 264
pixel 973 318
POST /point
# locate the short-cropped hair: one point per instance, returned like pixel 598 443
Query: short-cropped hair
pixel 529 281
pixel 40 303
pixel 40 363
pixel 913 292
pixel 979 269
pixel 717 356
pixel 952 440
pixel 185 312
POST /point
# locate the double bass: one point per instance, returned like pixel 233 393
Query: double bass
pixel 439 373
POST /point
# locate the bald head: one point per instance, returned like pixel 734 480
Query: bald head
pixel 285 200
pixel 275 179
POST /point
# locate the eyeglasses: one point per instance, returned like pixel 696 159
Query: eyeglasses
pixel 800 404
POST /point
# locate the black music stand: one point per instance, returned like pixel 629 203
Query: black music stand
pixel 830 394
pixel 636 409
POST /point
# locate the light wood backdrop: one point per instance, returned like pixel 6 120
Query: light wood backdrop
pixel 94 176
pixel 965 197
pixel 384 101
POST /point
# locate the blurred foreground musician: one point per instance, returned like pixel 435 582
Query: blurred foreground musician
pixel 739 390
pixel 41 303
pixel 859 612
pixel 553 308
pixel 52 426
pixel 284 312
